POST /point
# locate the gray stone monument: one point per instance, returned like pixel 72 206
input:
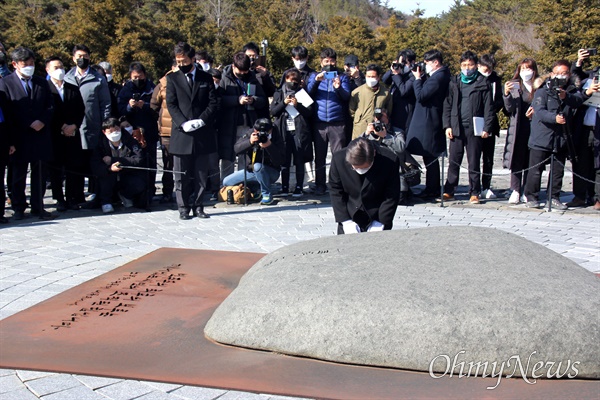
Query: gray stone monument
pixel 447 300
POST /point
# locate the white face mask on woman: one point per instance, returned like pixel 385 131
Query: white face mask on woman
pixel 526 75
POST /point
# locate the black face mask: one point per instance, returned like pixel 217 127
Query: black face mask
pixel 83 63
pixel 186 68
pixel 291 86
pixel 139 83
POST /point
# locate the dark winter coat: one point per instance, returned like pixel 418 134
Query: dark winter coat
pixel 403 98
pixel 426 132
pixel 546 105
pixel 144 117
pixel 331 104
pixel 519 128
pixel 302 136
pixel 134 156
pixel 495 85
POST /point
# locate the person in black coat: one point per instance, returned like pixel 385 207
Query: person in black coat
pixel 486 66
pixel 134 103
pixel 364 183
pixel 554 104
pixel 469 97
pixel 295 130
pixel 118 149
pixel 4 152
pixel 69 160
pixel 192 102
pixel 400 80
pixel 425 135
pixel 28 112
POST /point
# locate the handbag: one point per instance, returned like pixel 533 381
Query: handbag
pixel 237 194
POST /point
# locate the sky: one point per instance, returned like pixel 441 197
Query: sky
pixel 431 7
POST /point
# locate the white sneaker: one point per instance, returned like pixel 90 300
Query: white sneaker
pixel 107 208
pixel 127 203
pixel 514 198
pixel 488 194
pixel 523 198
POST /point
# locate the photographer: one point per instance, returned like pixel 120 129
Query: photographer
pixel 365 187
pixel 368 97
pixel 352 70
pixel 134 103
pixel 400 80
pixel 264 154
pixel 554 105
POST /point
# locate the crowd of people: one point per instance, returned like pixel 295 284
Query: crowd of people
pixel 80 124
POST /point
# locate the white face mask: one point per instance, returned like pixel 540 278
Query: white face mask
pixel 299 63
pixel 406 69
pixel 58 74
pixel 362 171
pixel 486 74
pixel 129 129
pixel 108 77
pixel 428 69
pixel 27 71
pixel 205 66
pixel 372 82
pixel 526 75
pixel 114 136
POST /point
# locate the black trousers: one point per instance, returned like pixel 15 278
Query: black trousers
pixel 292 150
pixel 457 151
pixel 326 133
pixel 534 177
pixel 130 184
pixel 19 182
pixel 167 159
pixel 432 175
pixel 487 154
pixel 192 183
pixel 150 151
pixel 585 165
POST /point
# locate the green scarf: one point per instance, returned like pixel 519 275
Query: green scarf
pixel 467 80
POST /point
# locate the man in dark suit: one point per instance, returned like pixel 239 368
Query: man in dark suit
pixel 69 159
pixel 425 135
pixel 28 111
pixel 192 102
pixel 364 183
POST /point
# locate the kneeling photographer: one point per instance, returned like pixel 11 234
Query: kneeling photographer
pixel 263 153
pixel 380 130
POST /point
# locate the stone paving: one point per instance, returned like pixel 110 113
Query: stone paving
pixel 39 259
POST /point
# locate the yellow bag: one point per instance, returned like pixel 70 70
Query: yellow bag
pixel 238 193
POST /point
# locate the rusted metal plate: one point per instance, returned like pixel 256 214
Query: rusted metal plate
pixel 145 321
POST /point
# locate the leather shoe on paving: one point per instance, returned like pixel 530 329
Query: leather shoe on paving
pixel 576 202
pixel 44 215
pixel 474 200
pixel 199 212
pixel 184 214
pixel 18 215
pixel 3 220
pixel 448 196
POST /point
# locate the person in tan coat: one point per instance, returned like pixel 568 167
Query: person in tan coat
pixel 159 104
pixel 368 98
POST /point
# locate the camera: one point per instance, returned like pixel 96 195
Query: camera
pixel 263 137
pixel 557 84
pixel 378 126
pixel 396 66
pixel 592 52
pixel 419 65
pixel 136 96
pixel 378 114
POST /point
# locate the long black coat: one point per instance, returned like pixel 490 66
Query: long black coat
pixel 69 110
pixel 144 117
pixel 20 111
pixel 426 133
pixel 519 127
pixel 184 104
pixel 376 192
pixel 403 98
pixel 303 134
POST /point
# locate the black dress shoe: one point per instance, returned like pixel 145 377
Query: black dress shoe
pixel 3 220
pixel 18 215
pixel 184 214
pixel 43 215
pixel 61 206
pixel 199 212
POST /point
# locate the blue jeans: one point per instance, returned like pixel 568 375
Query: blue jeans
pixel 263 174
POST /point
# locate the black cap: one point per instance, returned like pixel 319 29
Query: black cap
pixel 351 60
pixel 263 125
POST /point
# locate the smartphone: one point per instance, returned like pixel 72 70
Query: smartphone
pixel 592 52
pixel 331 75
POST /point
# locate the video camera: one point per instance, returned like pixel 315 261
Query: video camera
pixel 557 84
pixel 419 65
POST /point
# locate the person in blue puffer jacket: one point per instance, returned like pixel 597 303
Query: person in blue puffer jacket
pixel 330 89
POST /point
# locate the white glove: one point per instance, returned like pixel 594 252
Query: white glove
pixel 350 227
pixel 375 226
pixel 192 125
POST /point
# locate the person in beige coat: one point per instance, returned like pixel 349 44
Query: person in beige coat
pixel 367 98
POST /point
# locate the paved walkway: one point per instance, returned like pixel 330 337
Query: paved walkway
pixel 39 259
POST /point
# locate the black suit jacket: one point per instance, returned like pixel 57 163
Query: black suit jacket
pixel 376 193
pixel 20 111
pixel 184 104
pixel 69 110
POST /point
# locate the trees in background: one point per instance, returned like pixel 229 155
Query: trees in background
pixel 122 31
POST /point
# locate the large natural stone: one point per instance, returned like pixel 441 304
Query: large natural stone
pixel 404 298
